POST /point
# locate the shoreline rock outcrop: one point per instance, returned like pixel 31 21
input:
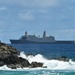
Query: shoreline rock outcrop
pixel 62 58
pixel 9 57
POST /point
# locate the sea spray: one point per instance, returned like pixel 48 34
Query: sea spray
pixel 5 68
pixel 51 64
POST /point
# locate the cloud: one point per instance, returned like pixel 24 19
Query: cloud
pixel 43 11
pixel 46 3
pixel 2 8
pixel 26 16
pixel 32 3
pixel 68 34
pixel 67 31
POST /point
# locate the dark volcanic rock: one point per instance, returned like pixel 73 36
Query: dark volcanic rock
pixel 13 61
pixel 17 62
pixel 14 66
pixel 24 62
pixel 36 64
pixel 9 57
pixel 63 58
pixel 1 63
pixel 6 51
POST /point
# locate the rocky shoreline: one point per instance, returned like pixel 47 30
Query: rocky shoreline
pixel 9 57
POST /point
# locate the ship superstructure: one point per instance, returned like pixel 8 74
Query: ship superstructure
pixel 33 39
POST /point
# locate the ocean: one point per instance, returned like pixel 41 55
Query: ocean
pixel 44 53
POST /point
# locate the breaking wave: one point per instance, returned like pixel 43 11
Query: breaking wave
pixel 51 64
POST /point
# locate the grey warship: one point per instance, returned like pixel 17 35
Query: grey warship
pixel 32 39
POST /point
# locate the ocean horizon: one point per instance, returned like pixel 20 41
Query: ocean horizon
pixel 22 23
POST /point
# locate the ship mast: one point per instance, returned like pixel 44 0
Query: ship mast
pixel 44 34
pixel 26 34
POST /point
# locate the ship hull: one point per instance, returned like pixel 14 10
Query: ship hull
pixel 34 42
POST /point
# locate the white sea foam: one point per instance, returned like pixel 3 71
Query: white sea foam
pixel 51 64
pixel 5 68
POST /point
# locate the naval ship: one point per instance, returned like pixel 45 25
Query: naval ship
pixel 33 39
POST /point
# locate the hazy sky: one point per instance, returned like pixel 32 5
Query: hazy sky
pixel 56 17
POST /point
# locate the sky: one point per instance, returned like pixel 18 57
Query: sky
pixel 56 17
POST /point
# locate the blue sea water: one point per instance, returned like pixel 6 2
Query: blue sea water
pixel 36 72
pixel 48 51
